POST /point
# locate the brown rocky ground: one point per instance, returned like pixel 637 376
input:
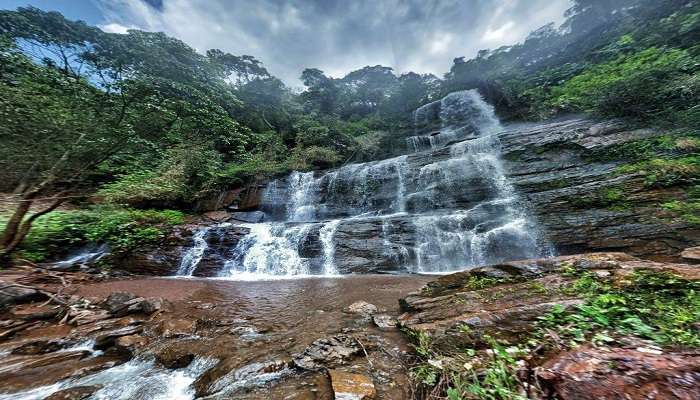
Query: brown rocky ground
pixel 501 305
pixel 287 339
pixel 71 335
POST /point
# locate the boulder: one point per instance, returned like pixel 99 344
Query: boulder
pixel 130 343
pixel 384 322
pixel 152 304
pixel 30 312
pixel 109 339
pixel 173 356
pixel 618 373
pixel 15 295
pixel 249 216
pixel 74 393
pixel 691 254
pixel 347 386
pixel 118 301
pixel 328 352
pixel 218 216
pixel 361 307
pixel 169 328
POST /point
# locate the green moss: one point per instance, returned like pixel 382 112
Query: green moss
pixel 554 184
pixel 665 172
pixel 687 210
pixel 611 198
pixel 513 155
pixel 645 148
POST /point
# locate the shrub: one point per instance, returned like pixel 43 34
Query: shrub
pixel 637 85
pixel 122 229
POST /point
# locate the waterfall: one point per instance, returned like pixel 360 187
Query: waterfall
pixel 87 256
pixel 326 236
pixel 446 206
pixel 194 254
pixel 269 249
pixel 460 115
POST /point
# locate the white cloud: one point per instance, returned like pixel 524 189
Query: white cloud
pixel 339 36
pixel 115 28
pixel 495 35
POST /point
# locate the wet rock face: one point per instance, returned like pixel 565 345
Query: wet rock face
pixel 328 352
pixel 164 259
pixel 74 393
pixel 556 169
pixel 347 386
pixel 599 373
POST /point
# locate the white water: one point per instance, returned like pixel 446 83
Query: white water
pixel 137 379
pixel 269 249
pixel 326 236
pixel 194 254
pixel 461 114
pixel 87 256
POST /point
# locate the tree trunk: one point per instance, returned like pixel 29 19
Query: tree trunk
pixel 12 227
pixel 21 229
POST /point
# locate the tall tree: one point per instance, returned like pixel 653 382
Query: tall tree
pixel 74 98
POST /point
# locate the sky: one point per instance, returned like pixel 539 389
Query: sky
pixel 335 36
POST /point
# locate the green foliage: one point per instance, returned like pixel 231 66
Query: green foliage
pixel 634 85
pixel 499 380
pixel 646 148
pixel 633 59
pixel 650 304
pixel 666 172
pixel 122 229
pixel 475 282
pixel 687 210
pixel 653 305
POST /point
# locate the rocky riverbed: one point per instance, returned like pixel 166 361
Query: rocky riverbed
pixel 73 335
pixel 146 338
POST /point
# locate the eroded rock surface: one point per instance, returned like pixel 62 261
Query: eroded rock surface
pixel 347 386
pixel 618 373
pixel 506 302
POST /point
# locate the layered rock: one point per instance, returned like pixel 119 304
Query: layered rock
pixel 505 304
pixel 557 169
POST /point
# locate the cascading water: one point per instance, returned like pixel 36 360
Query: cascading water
pixel 460 115
pixel 194 254
pixel 437 210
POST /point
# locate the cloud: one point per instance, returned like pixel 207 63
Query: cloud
pixel 338 36
pixel 116 28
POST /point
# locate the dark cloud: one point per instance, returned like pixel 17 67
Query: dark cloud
pixel 338 36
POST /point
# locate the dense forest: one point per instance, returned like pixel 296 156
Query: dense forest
pixel 132 129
